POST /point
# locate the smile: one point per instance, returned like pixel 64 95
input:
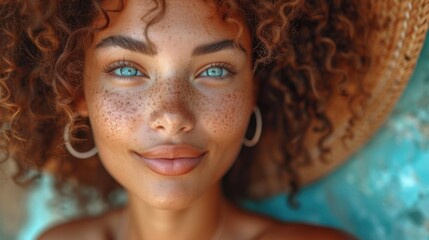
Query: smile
pixel 171 160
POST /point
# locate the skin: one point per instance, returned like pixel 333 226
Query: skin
pixel 172 101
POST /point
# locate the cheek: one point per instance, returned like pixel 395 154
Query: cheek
pixel 228 115
pixel 112 113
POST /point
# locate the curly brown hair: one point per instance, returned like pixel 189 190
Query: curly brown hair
pixel 304 51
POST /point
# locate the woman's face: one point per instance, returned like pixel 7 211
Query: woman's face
pixel 168 120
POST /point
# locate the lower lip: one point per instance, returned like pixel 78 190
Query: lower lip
pixel 171 167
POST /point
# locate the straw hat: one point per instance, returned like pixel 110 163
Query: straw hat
pixel 396 49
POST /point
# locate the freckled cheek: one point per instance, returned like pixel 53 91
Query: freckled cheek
pixel 113 114
pixel 228 116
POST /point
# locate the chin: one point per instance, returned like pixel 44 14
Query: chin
pixel 172 201
pixel 170 195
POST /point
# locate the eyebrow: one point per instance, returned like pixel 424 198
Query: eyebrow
pixel 217 46
pixel 128 43
pixel 136 45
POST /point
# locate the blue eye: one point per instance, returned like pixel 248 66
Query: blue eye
pixel 215 72
pixel 127 72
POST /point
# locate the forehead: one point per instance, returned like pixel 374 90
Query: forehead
pixel 190 17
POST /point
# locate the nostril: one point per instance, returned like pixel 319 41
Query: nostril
pixel 155 124
pixel 185 129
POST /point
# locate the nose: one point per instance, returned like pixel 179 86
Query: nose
pixel 171 115
pixel 171 123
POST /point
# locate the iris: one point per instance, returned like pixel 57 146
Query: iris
pixel 127 72
pixel 215 72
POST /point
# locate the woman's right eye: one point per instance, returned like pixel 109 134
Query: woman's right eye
pixel 127 72
pixel 124 70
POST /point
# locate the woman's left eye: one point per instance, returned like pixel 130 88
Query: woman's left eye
pixel 127 72
pixel 215 72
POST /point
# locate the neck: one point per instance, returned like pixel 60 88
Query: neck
pixel 200 220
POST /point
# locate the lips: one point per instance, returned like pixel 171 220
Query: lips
pixel 172 160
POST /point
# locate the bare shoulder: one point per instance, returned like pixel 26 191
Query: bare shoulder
pixel 91 228
pixel 250 225
pixel 298 231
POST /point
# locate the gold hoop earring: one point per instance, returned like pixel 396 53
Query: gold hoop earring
pixel 74 152
pixel 258 131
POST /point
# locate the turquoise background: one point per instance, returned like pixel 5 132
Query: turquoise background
pixel 381 193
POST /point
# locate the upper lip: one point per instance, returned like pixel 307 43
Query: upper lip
pixel 172 151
